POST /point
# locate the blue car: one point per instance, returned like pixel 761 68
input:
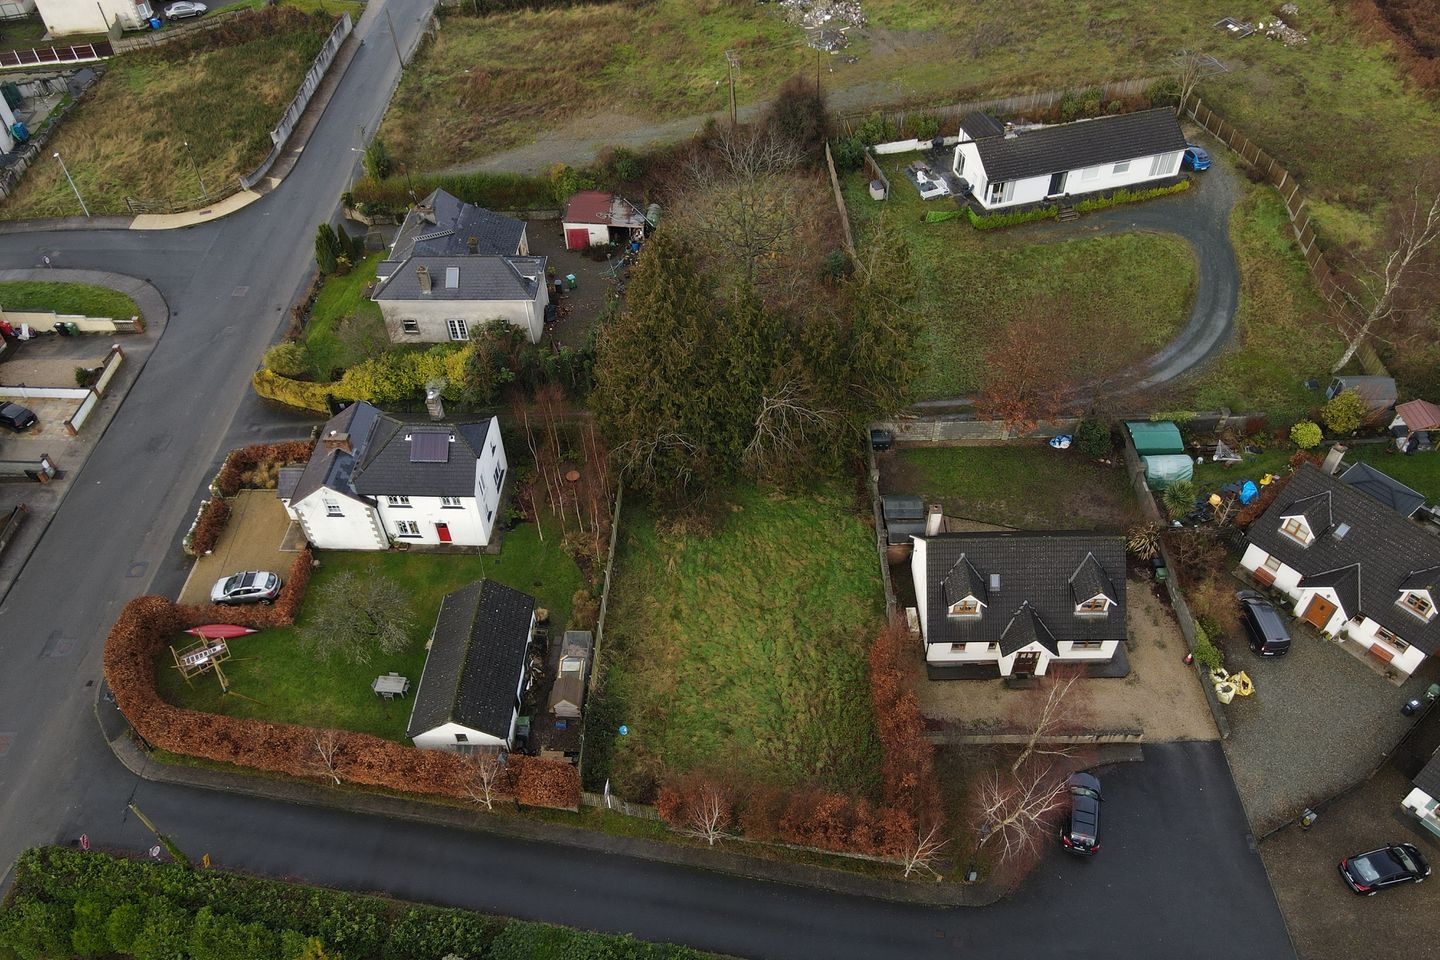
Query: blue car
pixel 1196 158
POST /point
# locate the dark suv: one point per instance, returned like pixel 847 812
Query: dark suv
pixel 16 417
pixel 1081 832
pixel 1268 636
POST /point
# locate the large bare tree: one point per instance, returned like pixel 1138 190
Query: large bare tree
pixel 1059 713
pixel 1371 303
pixel 1190 67
pixel 1015 812
pixel 322 754
pixel 354 616
pixel 482 778
pixel 924 852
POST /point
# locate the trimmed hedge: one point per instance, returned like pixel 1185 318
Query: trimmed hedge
pixel 293 393
pixel 68 902
pixel 388 378
pixel 995 221
pixel 1124 195
pixel 147 625
pixel 214 515
pixel 243 460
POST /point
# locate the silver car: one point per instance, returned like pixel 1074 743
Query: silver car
pixel 253 586
pixel 183 9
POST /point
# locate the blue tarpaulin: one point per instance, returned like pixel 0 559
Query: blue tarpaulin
pixel 1249 491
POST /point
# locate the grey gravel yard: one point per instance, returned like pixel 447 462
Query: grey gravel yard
pixel 1319 721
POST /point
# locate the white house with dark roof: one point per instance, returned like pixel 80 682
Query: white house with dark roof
pixel 455 267
pixel 1011 604
pixel 1355 567
pixel 1008 167
pixel 1423 801
pixel 468 700
pixel 374 480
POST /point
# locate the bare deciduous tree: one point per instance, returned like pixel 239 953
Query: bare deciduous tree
pixel 1190 67
pixel 924 852
pixel 707 813
pixel 323 754
pixel 1372 307
pixel 355 615
pixel 788 422
pixel 1058 714
pixel 482 777
pixel 1015 811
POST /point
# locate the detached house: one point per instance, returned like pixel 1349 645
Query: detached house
pixel 469 696
pixel 374 480
pixel 1008 167
pixel 454 267
pixel 1356 569
pixel 1011 604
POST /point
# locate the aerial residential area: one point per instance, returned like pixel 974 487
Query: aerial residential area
pixel 719 478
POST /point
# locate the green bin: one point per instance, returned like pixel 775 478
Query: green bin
pixel 570 281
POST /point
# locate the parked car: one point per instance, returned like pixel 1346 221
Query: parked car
pixel 1268 636
pixel 1196 158
pixel 1081 831
pixel 253 586
pixel 1368 873
pixel 16 417
pixel 183 9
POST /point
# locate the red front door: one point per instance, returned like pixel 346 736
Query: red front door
pixel 577 239
pixel 442 530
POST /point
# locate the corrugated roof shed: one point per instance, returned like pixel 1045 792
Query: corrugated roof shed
pixel 1419 414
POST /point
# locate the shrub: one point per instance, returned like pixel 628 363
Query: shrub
pixel 1126 195
pixel 1164 93
pixel 497 191
pixel 994 221
pixel 289 359
pixel 1143 540
pixel 1344 412
pixel 292 393
pixel 1092 438
pixel 925 127
pixel 1206 653
pixel 327 248
pixel 214 515
pixel 848 154
pixel 1305 434
pixel 1179 498
pixel 584 610
pixel 876 129
pixel 377 159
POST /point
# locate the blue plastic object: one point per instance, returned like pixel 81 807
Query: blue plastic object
pixel 154 23
pixel 1249 491
pixel 1061 442
pixel 19 131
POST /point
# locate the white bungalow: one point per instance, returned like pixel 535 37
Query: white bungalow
pixel 1008 167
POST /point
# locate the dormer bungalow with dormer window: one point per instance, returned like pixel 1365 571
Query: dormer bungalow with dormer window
pixel 1356 568
pixel 1011 604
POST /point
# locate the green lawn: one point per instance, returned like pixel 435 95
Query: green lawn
pixel 1419 471
pixel 73 298
pixel 293 687
pixel 744 649
pixel 345 326
pixel 1284 334
pixel 1119 298
pixel 1021 485
pixel 1210 476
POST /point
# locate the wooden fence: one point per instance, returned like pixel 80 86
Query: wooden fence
pixel 840 205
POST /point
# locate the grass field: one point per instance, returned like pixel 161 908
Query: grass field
pixel 127 136
pixel 1210 476
pixel 73 298
pixel 345 327
pixel 293 687
pixel 1025 486
pixel 746 649
pixel 1130 293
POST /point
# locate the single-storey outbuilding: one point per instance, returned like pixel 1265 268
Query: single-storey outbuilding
pixel 594 218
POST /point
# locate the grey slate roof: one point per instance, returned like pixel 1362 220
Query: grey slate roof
pixel 900 507
pixel 1390 550
pixel 455 222
pixel 1427 579
pixel 1386 489
pixel 1090 581
pixel 963 581
pixel 1026 628
pixel 287 481
pixel 379 463
pixel 1345 581
pixel 1035 570
pixel 981 125
pixel 478 278
pixel 1428 779
pixel 476 659
pixel 1084 143
pixel 1315 509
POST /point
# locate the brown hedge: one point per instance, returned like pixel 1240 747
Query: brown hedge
pixel 242 460
pixel 208 527
pixel 147 625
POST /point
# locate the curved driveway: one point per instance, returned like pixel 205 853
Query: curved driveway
pixel 1176 859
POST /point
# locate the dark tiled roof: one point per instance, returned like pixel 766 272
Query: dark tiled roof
pixel 963 581
pixel 454 223
pixel 287 481
pixel 476 658
pixel 1315 509
pixel 982 125
pixel 1386 489
pixel 1345 581
pixel 1428 779
pixel 1427 579
pixel 1090 581
pixel 1035 570
pixel 387 468
pixel 1084 143
pixel 1026 628
pixel 332 468
pixel 1388 548
pixel 476 278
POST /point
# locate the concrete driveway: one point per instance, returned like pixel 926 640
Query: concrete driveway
pixel 251 541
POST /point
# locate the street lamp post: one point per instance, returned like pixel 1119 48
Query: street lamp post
pixel 72 184
pixel 196 167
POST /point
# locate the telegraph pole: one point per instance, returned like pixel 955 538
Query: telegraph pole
pixel 169 844
pixel 394 39
pixel 734 63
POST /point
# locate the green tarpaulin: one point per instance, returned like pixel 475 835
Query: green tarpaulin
pixel 1151 438
pixel 1164 469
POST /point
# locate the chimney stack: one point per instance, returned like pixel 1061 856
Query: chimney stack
pixel 934 520
pixel 474 244
pixel 335 440
pixel 426 211
pixel 424 276
pixel 1333 458
pixel 434 405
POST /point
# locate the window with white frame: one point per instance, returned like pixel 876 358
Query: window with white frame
pixel 1122 167
pixel 407 528
pixel 969 607
pixel 1087 644
pixel 1382 634
pixel 1090 173
pixel 1002 191
pixel 1272 564
pixel 459 329
pixel 409 325
pixel 332 507
pixel 959 162
pixel 1162 163
pixel 1295 529
pixel 450 503
pixel 397 501
pixel 1418 603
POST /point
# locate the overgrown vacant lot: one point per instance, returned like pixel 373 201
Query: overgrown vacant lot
pixel 126 138
pixel 1121 297
pixel 293 687
pixel 1025 486
pixel 744 649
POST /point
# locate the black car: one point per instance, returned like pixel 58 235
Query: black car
pixel 1268 636
pixel 1368 873
pixel 1081 832
pixel 16 417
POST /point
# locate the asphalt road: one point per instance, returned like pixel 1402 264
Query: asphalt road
pixel 1175 874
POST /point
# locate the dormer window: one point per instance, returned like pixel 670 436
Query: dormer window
pixel 1296 529
pixel 1095 606
pixel 1419 603
pixel 968 607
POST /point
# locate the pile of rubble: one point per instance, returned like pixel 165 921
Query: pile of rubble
pixel 825 22
pixel 1278 29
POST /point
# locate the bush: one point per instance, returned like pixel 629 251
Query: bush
pixel 289 359
pixel 327 248
pixel 1206 653
pixel 214 515
pixel 1092 438
pixel 1164 93
pixel 876 129
pixel 1305 434
pixel 377 160
pixel 496 191
pixel 1344 412
pixel 994 221
pixel 848 154
pixel 925 127
pixel 1125 195
pixel 1179 498
pixel 292 393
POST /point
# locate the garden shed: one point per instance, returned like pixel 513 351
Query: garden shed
pixel 1163 469
pixel 1155 438
pixel 594 218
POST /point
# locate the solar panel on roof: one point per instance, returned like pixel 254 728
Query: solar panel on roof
pixel 429 447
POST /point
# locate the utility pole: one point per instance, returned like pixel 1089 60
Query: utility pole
pixel 394 39
pixel 169 844
pixel 194 166
pixel 72 184
pixel 734 63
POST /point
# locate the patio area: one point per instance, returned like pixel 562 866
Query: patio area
pixel 578 310
pixel 254 539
